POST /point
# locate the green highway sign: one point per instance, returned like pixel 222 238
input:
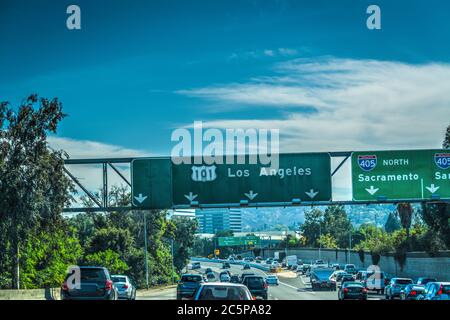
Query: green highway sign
pixel 160 183
pixel 239 241
pixel 299 176
pixel 151 183
pixel 401 175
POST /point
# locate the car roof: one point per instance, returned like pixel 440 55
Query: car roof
pixel 119 275
pixel 222 284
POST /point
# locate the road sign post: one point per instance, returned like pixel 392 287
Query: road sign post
pixel 401 175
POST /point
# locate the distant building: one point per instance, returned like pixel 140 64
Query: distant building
pixel 213 220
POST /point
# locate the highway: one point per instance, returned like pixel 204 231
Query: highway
pixel 291 286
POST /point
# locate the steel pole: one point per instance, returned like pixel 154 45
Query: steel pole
pixel 145 249
pixel 173 274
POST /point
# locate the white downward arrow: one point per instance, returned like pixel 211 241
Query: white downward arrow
pixel 432 188
pixel 141 198
pixel 191 196
pixel 311 193
pixel 372 190
pixel 251 195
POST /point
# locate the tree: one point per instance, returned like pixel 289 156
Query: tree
pixel 33 186
pixel 109 259
pixel 405 212
pixel 446 142
pixel 184 235
pixel 392 223
pixel 312 226
pixel 328 241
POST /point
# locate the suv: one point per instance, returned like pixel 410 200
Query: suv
pixel 257 286
pixel 395 287
pixel 95 284
pixel 188 285
pixel 350 268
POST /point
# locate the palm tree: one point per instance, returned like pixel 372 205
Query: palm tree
pixel 405 211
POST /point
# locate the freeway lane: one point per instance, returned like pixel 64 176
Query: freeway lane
pixel 291 287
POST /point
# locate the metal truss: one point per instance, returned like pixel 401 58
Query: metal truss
pixel 102 205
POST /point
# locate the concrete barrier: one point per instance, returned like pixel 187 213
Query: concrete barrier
pixel 417 264
pixel 31 294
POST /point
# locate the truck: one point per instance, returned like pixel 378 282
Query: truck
pixel 291 261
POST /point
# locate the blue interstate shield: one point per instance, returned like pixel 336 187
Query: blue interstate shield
pixel 367 162
pixel 442 160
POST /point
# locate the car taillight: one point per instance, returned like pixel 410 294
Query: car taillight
pixel 125 286
pixel 413 293
pixel 440 290
pixel 364 290
pixel 108 285
pixel 64 286
pixel 265 285
pixel 345 290
pixel 253 298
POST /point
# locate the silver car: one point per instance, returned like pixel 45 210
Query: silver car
pixel 125 289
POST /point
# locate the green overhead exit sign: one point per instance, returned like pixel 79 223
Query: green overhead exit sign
pixel 401 175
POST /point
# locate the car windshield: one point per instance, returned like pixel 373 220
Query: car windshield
pixel 254 282
pixel 191 278
pixel 223 293
pixel 119 279
pixel 403 281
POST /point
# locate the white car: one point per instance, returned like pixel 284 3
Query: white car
pixel 272 279
pixel 225 278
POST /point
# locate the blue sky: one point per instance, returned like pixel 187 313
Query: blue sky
pixel 139 69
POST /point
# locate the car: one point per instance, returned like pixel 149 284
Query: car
pixel 412 292
pixel 350 268
pixel 224 277
pixel 246 267
pixel 346 277
pixel 125 288
pixel 437 291
pixel 320 279
pixel 337 275
pixel 257 286
pixel 272 279
pixel 360 275
pixel 235 279
pixel 269 261
pixel 225 272
pixel 352 290
pixel 395 286
pixel 222 291
pixel 226 265
pixel 249 259
pixel 95 284
pixel 424 281
pixel 305 268
pixel 210 276
pixel 335 266
pixel 188 284
pixel 208 270
pixel 373 280
pixel 196 265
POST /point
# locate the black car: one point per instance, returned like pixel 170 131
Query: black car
pixel 235 279
pixel 352 290
pixel 226 265
pixel 95 284
pixel 424 281
pixel 411 292
pixel 208 270
pixel 188 284
pixel 257 286
pixel 246 267
pixel 320 279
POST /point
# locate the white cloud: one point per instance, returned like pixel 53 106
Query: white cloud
pixel 91 176
pixel 358 105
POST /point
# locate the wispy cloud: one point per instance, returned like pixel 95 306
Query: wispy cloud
pixel 270 52
pixel 359 104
